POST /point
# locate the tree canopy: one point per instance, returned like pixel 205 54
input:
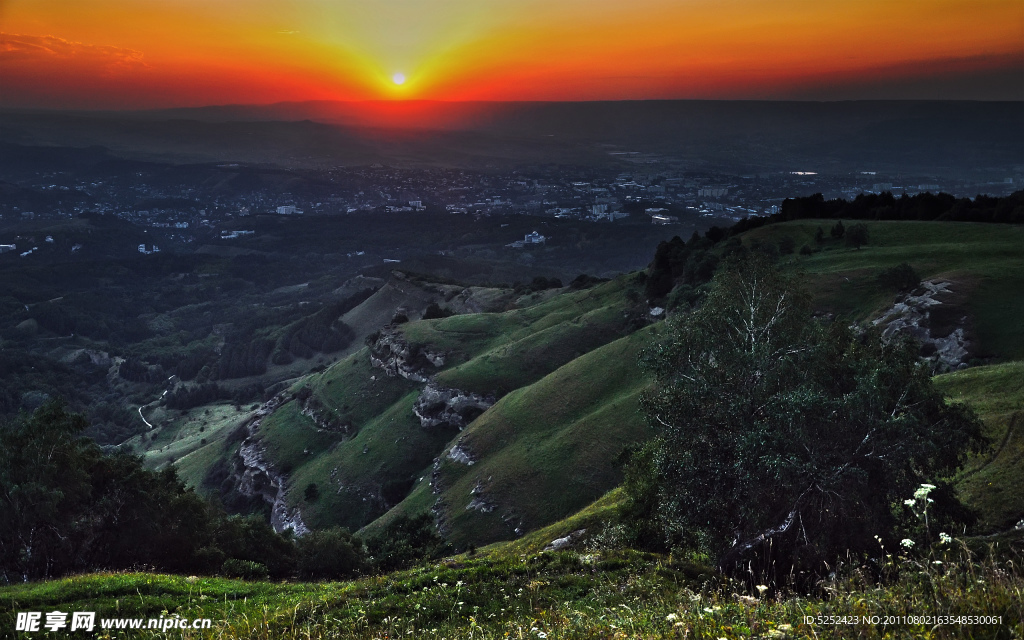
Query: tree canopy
pixel 786 440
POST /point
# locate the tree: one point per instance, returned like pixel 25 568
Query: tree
pixel 857 235
pixel 786 441
pixel 330 554
pixel 837 230
pixel 902 277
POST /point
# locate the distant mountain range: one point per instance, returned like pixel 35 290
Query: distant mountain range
pixel 947 139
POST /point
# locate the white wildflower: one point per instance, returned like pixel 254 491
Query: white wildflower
pixel 945 538
pixel 907 542
pixel 923 491
pixel 671 617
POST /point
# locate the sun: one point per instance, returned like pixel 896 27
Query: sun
pixel 398 78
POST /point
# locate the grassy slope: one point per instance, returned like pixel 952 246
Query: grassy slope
pixel 546 450
pixel 569 393
pixel 568 594
pixel 386 444
pixel 994 482
pixel 504 351
pixel 187 438
pixel 986 260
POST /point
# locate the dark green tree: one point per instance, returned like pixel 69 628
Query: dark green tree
pixel 902 277
pixel 44 480
pixel 857 235
pixel 404 542
pixel 786 442
pixel 837 230
pixel 330 554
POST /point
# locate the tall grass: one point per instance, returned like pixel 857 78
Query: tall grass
pixel 575 594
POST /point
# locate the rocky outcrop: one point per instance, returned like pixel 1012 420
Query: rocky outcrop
pixel 562 543
pixel 441 406
pixel 458 453
pixel 945 344
pixel 478 502
pixel 260 479
pixel 322 417
pixel 391 352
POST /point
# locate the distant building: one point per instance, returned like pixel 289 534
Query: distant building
pixel 934 188
pixel 598 209
pixel 663 219
pixel 713 192
pixel 228 235
pixel 534 238
pixel 288 210
pixel 4 248
pixel 148 249
pixel 879 187
pixel 49 239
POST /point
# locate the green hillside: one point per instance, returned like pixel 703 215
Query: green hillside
pixel 984 262
pixel 350 429
pixel 543 463
pixel 562 367
pixel 548 449
pixel 994 482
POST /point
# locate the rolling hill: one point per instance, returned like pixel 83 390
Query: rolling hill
pixel 502 423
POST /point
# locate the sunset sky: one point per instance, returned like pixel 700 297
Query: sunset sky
pixel 161 53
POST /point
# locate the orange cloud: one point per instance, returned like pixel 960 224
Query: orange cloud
pixel 35 51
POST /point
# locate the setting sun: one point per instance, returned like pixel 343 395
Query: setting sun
pixel 159 53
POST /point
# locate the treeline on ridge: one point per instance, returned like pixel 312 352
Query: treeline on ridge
pixel 681 269
pixel 926 206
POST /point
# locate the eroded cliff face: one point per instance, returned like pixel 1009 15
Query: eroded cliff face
pixel 391 352
pixel 260 479
pixel 322 417
pixel 443 406
pixel 933 316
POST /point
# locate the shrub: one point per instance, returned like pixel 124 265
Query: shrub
pixel 312 492
pixel 244 569
pixel 330 554
pixel 435 310
pixel 857 235
pixel 902 277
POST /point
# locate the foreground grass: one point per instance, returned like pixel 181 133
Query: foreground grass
pixel 568 594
